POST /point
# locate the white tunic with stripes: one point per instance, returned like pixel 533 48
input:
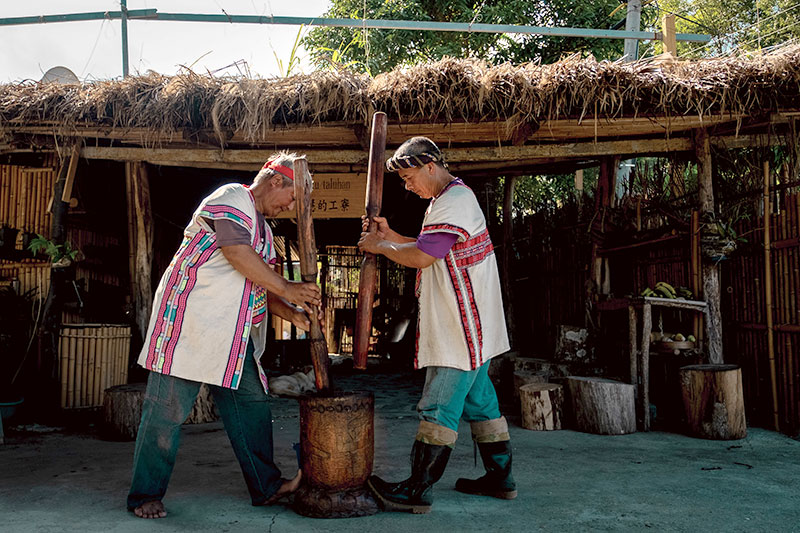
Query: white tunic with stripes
pixel 204 310
pixel 461 323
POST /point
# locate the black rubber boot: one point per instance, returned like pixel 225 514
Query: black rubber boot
pixel 414 494
pixel 497 482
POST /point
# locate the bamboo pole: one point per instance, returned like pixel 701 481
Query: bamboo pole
pixel 71 371
pixel 98 359
pixel 12 197
pixel 117 352
pixel 80 368
pixel 3 178
pixel 91 397
pixel 63 366
pixel 768 296
pixel 126 355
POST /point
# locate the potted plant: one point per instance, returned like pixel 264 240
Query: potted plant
pixel 718 237
pixel 61 255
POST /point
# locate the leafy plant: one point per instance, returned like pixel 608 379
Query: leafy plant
pixel 294 59
pixel 60 254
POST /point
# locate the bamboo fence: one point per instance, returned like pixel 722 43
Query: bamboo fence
pixel 24 196
pixel 92 358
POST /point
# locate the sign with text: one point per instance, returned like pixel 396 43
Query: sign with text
pixel 336 196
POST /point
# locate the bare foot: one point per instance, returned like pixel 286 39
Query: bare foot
pixel 151 510
pixel 288 486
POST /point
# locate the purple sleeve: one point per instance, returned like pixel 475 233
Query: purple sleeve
pixel 230 233
pixel 436 244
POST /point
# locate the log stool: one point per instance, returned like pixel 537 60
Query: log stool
pixel 714 401
pixel 602 406
pixel 525 377
pixel 122 410
pixel 541 406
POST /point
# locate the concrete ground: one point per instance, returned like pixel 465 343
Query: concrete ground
pixel 55 479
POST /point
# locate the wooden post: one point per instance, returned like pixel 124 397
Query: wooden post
pixel 369 266
pixel 644 382
pixel 308 269
pixel 51 312
pixel 711 283
pixel 141 242
pixel 633 343
pixel 768 296
pixel 508 238
pixel 668 34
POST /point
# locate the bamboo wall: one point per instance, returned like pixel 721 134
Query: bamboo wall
pixel 24 196
pixel 745 313
pixel 92 357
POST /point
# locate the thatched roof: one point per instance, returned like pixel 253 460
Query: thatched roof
pixel 447 91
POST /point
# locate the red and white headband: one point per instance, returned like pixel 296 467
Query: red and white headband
pixel 283 169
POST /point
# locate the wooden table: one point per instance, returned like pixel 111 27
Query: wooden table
pixel 640 354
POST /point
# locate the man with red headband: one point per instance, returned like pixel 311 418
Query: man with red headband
pixel 209 326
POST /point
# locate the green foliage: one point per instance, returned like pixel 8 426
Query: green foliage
pixel 294 59
pixel 745 24
pixel 57 252
pixel 392 48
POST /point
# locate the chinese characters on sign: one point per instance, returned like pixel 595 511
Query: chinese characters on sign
pixel 336 196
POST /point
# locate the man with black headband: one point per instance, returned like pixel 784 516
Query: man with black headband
pixel 461 326
pixel 209 326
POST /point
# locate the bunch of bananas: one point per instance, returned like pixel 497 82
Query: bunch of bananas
pixel 662 289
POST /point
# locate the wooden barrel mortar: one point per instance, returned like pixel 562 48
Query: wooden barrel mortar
pixel 337 439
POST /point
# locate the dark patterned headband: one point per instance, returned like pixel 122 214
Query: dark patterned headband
pixel 408 161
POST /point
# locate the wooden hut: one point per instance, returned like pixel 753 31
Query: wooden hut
pixel 132 153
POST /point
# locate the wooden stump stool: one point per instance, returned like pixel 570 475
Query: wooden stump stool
pixel 602 406
pixel 541 406
pixel 122 410
pixel 714 401
pixel 526 377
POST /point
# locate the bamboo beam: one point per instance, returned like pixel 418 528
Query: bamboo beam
pixel 66 196
pixel 308 269
pixel 369 265
pixel 768 297
pixel 572 150
pixel 711 277
pixel 343 134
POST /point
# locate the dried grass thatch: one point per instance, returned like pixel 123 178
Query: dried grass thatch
pixel 450 90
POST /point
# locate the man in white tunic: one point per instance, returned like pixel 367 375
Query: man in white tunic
pixel 461 326
pixel 209 326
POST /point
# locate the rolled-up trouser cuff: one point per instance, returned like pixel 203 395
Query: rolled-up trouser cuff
pixel 495 430
pixel 435 434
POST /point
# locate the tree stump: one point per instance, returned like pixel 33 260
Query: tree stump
pixel 714 401
pixel 541 405
pixel 602 406
pixel 122 410
pixel 204 409
pixel 525 377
